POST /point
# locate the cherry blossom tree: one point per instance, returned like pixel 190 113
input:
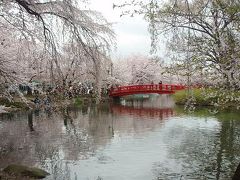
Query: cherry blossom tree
pixel 139 69
pixel 83 30
pixel 203 37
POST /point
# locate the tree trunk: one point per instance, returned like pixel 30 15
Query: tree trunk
pixel 236 175
pixel 98 85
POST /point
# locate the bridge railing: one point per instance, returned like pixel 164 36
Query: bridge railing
pixel 146 88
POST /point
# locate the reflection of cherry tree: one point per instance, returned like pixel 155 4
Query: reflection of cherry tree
pixel 211 153
pixel 51 139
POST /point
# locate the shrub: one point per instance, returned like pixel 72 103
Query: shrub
pixel 209 96
pixel 78 101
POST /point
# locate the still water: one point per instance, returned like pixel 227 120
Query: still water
pixel 146 139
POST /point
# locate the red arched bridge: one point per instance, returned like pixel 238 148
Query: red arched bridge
pixel 145 89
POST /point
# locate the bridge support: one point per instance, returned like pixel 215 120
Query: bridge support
pixel 116 99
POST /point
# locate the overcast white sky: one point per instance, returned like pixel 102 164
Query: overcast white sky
pixel 131 33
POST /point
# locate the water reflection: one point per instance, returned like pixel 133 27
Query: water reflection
pixel 149 101
pixel 143 112
pixel 138 141
pixel 30 120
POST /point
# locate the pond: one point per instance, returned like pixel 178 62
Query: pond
pixel 141 139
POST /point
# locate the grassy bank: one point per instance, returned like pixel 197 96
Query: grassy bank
pixel 13 105
pixel 181 97
pixel 209 97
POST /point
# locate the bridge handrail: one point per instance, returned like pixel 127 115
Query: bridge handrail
pixel 146 87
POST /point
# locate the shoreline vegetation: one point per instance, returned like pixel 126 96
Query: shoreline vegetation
pixel 197 97
pixel 21 172
pixel 208 97
pixel 54 102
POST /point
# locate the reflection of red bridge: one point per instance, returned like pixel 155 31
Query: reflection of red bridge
pixel 145 89
pixel 149 112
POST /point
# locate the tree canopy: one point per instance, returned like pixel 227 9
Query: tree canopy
pixel 48 28
pixel 203 37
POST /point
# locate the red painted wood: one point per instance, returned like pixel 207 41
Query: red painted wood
pixel 145 89
pixel 152 112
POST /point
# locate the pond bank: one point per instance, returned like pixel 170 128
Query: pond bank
pixel 53 102
pixel 20 172
pixel 208 97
